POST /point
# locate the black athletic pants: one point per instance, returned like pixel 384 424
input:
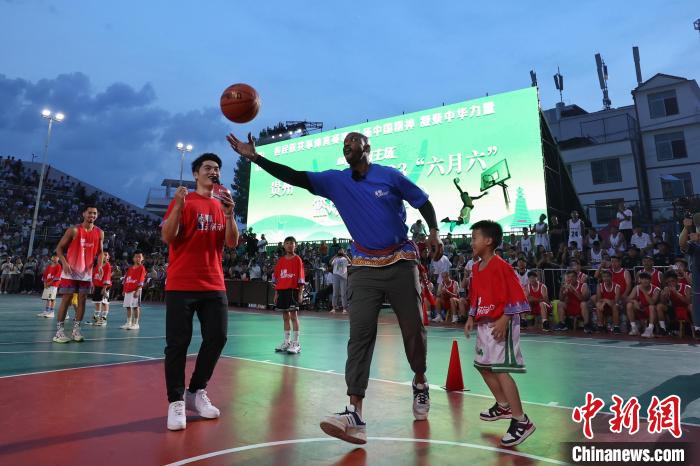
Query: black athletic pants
pixel 212 311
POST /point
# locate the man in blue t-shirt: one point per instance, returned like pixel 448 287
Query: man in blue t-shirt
pixel 370 200
pixel 690 244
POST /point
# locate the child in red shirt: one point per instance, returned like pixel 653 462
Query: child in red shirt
pixel 52 277
pixel 289 289
pixel 133 283
pixel 496 301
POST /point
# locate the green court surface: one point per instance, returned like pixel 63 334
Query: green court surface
pixel 560 368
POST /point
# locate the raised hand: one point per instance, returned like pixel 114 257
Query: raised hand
pixel 245 150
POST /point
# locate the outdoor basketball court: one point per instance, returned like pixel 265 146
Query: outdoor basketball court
pixel 102 402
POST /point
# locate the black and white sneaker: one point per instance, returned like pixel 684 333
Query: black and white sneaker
pixel 588 329
pixel 495 413
pixel 616 330
pixel 347 426
pixel 421 401
pixel 545 326
pixel 517 432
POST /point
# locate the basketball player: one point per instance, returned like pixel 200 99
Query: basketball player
pixel 101 283
pixel 642 302
pixel 538 297
pixel 133 285
pixel 196 227
pixel 467 207
pixel 384 264
pixel 608 297
pixel 575 230
pixel 77 251
pixel 289 289
pixel 52 278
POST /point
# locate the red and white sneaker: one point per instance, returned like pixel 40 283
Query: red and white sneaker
pixel 495 413
pixel 517 432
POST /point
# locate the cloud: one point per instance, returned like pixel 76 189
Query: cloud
pixel 118 139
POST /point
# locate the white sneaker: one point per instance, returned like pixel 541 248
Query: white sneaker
pixel 294 348
pixel 101 322
pixel 649 332
pixel 437 319
pixel 347 426
pixel 134 326
pixel 345 311
pixel 126 325
pixel 77 335
pixel 49 315
pixel 176 416
pixel 61 336
pixel 421 402
pixel 455 319
pixel 200 403
pixel 42 314
pixel 332 311
pixel 283 347
pixel 634 331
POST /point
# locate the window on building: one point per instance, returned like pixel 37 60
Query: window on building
pixel 606 209
pixel 670 146
pixel 676 185
pixel 662 104
pixel 606 171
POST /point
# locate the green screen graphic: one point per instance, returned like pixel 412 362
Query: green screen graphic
pixel 492 143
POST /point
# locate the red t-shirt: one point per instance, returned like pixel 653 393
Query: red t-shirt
pixel 289 273
pixel 52 274
pixel 496 290
pixel 134 278
pixel 106 279
pixel 194 259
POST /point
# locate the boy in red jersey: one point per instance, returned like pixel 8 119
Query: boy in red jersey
pixel 608 299
pixel 52 277
pixel 573 302
pixel 77 250
pixel 449 297
pixel 289 287
pixel 101 283
pixel 133 284
pixel 196 227
pixel 677 295
pixel 496 301
pixel 642 302
pixel 538 297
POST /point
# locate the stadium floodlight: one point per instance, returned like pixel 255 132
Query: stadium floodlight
pixel 57 117
pixel 182 148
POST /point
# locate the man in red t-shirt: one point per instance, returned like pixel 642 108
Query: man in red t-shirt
pixel 289 288
pixel 196 227
pixel 101 283
pixel 133 284
pixel 52 277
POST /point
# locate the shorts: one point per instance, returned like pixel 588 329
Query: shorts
pixel 132 299
pixel 49 293
pixel 100 295
pixel 68 286
pixel 681 313
pixel 286 300
pixel 535 307
pixel 499 356
pixel 573 308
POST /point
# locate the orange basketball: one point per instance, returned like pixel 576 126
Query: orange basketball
pixel 240 103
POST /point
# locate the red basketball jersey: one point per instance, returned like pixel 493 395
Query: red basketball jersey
pixel 618 278
pixel 609 292
pixel 81 253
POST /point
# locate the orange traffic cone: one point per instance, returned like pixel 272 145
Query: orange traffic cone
pixel 426 317
pixel 454 382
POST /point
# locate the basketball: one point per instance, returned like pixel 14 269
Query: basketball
pixel 240 103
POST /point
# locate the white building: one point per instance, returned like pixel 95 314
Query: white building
pixel 647 154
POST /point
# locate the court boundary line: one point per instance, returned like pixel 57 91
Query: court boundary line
pixel 80 352
pixel 375 439
pixel 432 386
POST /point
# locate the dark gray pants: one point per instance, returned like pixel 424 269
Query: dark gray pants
pixel 367 287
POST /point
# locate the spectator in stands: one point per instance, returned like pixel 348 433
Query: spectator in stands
pixel 624 219
pixel 664 257
pixel 680 266
pixel 617 243
pixel 251 244
pixel 591 237
pixel 641 240
pixel 262 244
pixel 29 271
pixel 575 228
pixel 254 270
pixel 642 304
pixel 562 256
pixel 541 232
pixel 5 270
pixel 15 273
pixel 658 236
pixel 538 298
pixel 522 272
pixel 595 254
pixel 449 245
pixel 676 297
pixel 632 259
pixel 608 298
pixel 575 265
pixel 418 229
pixel 439 267
pixel 648 267
pixel 340 265
pixel 689 243
pixel 573 301
pixel 333 248
pixel 525 243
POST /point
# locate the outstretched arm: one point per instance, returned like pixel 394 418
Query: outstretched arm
pixel 474 198
pixel 279 171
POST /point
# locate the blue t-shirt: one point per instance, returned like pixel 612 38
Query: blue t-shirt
pixel 372 207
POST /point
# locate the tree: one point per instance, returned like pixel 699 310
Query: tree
pixel 240 187
pixel 521 218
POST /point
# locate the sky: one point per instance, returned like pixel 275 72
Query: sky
pixel 134 78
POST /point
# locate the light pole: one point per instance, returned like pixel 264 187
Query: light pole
pixel 183 148
pixel 57 117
